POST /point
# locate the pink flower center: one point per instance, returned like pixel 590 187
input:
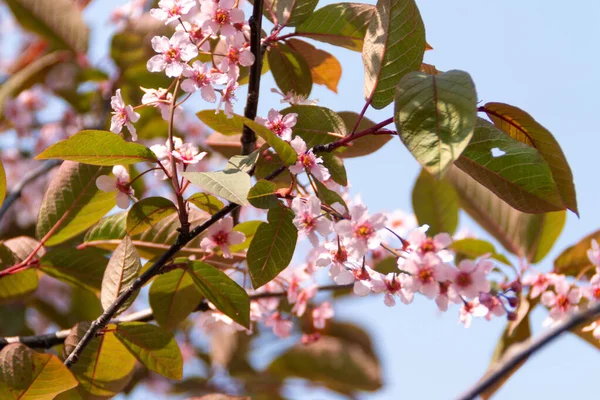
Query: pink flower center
pixel 307 161
pixel 122 186
pixel 427 246
pixel 393 285
pixel 364 231
pixel 308 222
pixel 277 127
pixel 175 10
pixel 596 292
pixel 201 79
pixel 341 255
pixel 463 279
pixel 221 16
pixel 562 302
pixel 425 275
pixel 361 274
pixel 220 238
pixel 234 55
pixel 172 54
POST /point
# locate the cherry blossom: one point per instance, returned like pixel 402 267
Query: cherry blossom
pixel 353 272
pixel 221 16
pixel 425 274
pixel 308 161
pixel 294 99
pixel 161 98
pixel 174 53
pixel 331 253
pixel 564 300
pixel 471 309
pixel 281 327
pixel 172 10
pixel 538 283
pixel 594 253
pixel 227 98
pixel 199 76
pixel 322 313
pixel 303 297
pixel 392 285
pixel 592 292
pixel 195 32
pixel 122 115
pixel 297 278
pixel 494 305
pixel 119 183
pixel 309 219
pixel 222 236
pixel 281 125
pixel 469 278
pixel 361 230
pixel 20 111
pixel 238 53
pixel 421 243
pixel 188 153
pixel 127 13
pixel 445 295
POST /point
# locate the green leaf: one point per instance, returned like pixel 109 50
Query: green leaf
pixel 574 260
pixel 522 127
pixel 153 346
pixel 27 76
pixel 518 232
pixel 220 122
pixel 325 69
pixel 267 164
pixel 243 163
pixel 394 46
pixel 513 334
pixel 112 227
pixel 18 285
pixel 59 21
pixel 230 184
pixel 218 288
pixel 435 203
pixel 206 202
pixel 328 196
pixel 288 12
pixel 83 268
pixel 98 148
pixel 248 228
pixel 273 246
pixel 475 248
pixel 173 296
pixel 341 24
pixel 72 202
pixel 28 375
pixel 435 116
pixel 105 366
pixel 283 149
pixel 519 175
pixel 147 212
pixel 2 183
pixel 122 270
pixel 262 195
pixel 317 125
pixel 365 145
pixel 336 168
pixel 290 70
pixel 547 235
pixel 338 364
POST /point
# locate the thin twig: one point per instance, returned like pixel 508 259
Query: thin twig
pixel 519 353
pixel 17 190
pixel 50 340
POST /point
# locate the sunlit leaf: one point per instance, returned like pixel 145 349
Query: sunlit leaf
pixel 29 375
pixel 122 270
pixel 112 227
pixel 521 126
pixel 205 202
pixel 147 212
pixel 84 147
pixel 336 168
pixel 325 69
pixel 220 122
pixel 153 346
pixel 435 117
pixel 435 203
pixel 2 183
pixel 72 202
pixel 574 260
pixel 474 248
pixel 248 228
pixel 365 145
pixel 283 149
pixel 232 185
pixel 394 46
pixel 328 196
pixel 17 285
pixel 273 246
pixel 288 12
pixel 83 268
pixel 290 70
pixel 341 24
pixel 173 296
pixel 317 125
pixel 262 195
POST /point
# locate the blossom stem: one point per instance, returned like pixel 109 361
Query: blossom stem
pixel 374 130
pixel 361 115
pixel 142 174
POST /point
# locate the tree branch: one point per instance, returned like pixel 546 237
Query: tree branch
pixel 519 353
pixel 17 190
pixel 49 340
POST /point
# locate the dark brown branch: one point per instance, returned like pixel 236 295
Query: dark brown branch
pixel 31 176
pixel 519 353
pixel 50 340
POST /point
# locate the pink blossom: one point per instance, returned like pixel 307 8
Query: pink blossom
pixel 565 300
pixel 594 327
pixel 392 285
pixel 119 183
pixel 174 53
pixel 493 304
pixel 222 236
pixel 538 283
pixel 322 313
pixel 426 274
pixel 281 125
pixel 172 10
pixel 281 327
pixel 294 99
pixel 401 223
pixel 594 253
pixel 592 292
pixel 422 244
pixel 228 97
pixel 220 15
pixel 469 278
pixel 331 252
pixel 122 115
pixel 195 32
pixel 471 309
pixel 238 53
pixel 128 12
pixel 445 295
pixel 309 219
pixel 308 161
pixel 162 99
pixel 199 76
pixel 188 153
pixel 361 230
pixel 299 276
pixel 303 297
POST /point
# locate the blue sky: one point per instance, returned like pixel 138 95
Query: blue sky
pixel 532 54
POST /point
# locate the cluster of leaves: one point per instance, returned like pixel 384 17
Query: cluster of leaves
pixel 519 196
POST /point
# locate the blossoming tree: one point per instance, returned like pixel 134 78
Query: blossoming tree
pixel 149 225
